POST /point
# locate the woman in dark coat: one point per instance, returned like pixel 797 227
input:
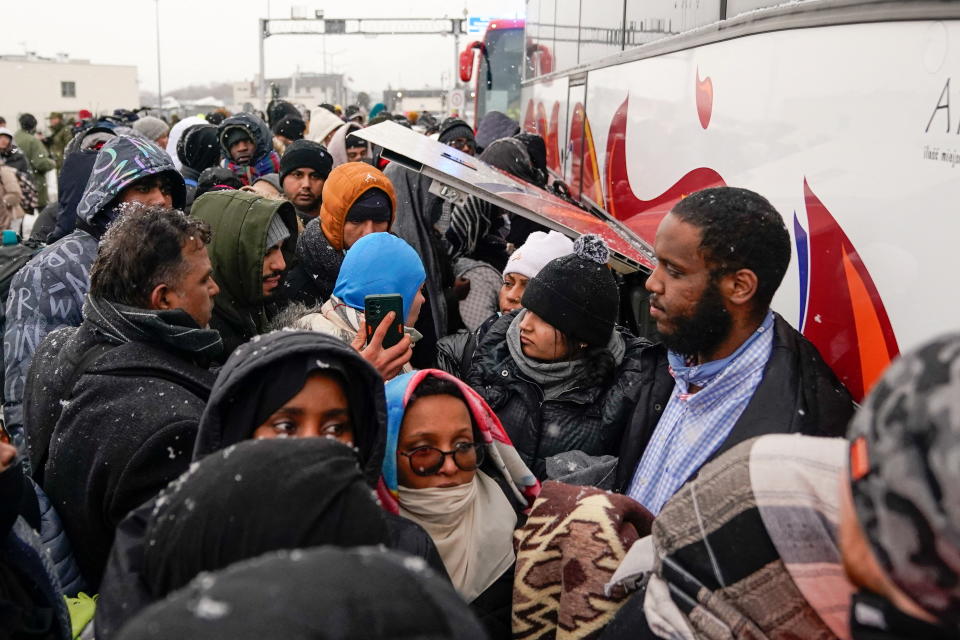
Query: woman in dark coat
pixel 294 384
pixel 558 373
pixel 251 498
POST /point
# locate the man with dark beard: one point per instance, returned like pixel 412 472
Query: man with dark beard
pixel 738 369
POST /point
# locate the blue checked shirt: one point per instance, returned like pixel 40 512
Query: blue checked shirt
pixel 694 425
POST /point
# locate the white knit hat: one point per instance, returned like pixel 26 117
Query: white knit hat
pixel 539 249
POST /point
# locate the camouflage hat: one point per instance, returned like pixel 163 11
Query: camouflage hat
pixel 905 475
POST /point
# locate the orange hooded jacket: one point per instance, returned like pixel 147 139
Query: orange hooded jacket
pixel 344 185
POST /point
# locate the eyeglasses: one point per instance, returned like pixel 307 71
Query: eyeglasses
pixel 427 461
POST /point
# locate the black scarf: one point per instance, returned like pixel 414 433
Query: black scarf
pixel 254 402
pixel 255 497
pixel 174 329
pixel 265 373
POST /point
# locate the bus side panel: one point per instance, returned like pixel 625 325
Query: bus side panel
pixel 853 141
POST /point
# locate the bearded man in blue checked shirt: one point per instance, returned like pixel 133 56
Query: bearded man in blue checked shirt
pixel 728 368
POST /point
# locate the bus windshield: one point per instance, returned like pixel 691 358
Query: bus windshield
pixel 505 52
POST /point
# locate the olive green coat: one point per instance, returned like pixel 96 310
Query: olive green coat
pixel 40 162
pixel 239 222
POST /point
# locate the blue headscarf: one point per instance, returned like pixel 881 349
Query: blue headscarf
pixel 380 264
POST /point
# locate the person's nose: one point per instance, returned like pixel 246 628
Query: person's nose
pixel 654 283
pixel 278 263
pixel 214 288
pixel 158 198
pixel 525 322
pixel 449 466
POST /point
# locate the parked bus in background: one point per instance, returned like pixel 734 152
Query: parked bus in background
pixel 838 111
pixel 496 84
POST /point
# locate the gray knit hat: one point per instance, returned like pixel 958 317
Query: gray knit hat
pixel 905 475
pixel 277 232
pixel 151 128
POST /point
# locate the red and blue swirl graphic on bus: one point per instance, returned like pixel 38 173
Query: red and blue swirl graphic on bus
pixel 841 310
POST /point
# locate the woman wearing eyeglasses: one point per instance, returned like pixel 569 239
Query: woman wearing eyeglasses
pixel 451 468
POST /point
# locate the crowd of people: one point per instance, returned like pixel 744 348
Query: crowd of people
pixel 203 438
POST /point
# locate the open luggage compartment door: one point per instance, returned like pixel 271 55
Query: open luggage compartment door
pixel 457 175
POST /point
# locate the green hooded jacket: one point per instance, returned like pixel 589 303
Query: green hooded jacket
pixel 40 162
pixel 239 221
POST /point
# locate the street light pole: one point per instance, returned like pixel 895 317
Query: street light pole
pixel 159 81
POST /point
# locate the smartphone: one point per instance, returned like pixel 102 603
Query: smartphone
pixel 375 307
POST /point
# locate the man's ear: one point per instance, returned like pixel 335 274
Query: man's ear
pixel 740 287
pixel 161 297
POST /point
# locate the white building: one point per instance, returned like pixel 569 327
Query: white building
pixel 302 88
pixel 36 85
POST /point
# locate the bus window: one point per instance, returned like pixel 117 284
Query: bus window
pixel 532 35
pixel 601 29
pixel 566 34
pixel 650 20
pixel 505 51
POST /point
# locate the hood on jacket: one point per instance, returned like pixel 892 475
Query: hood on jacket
pixel 120 162
pixel 74 175
pixel 502 458
pixel 343 187
pixel 89 138
pixel 380 264
pixel 314 594
pixel 338 144
pixel 277 110
pixel 198 147
pixel 240 221
pixel 256 128
pixel 493 126
pixel 176 131
pixel 259 496
pixel 322 124
pixel 511 155
pixel 243 380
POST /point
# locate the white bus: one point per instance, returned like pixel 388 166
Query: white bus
pixel 838 111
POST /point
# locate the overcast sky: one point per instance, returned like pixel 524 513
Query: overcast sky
pixel 204 41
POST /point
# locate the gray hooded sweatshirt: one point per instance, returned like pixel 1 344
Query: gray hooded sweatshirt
pixel 48 292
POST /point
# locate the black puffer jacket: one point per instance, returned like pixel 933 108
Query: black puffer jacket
pixel 590 419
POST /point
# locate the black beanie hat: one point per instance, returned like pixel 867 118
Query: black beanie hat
pixel 372 204
pixel 453 128
pixel 306 153
pixel 291 128
pixel 234 134
pixel 216 179
pixel 577 294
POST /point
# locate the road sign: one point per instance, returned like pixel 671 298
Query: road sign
pixel 457 99
pixel 477 25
